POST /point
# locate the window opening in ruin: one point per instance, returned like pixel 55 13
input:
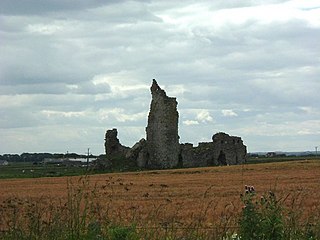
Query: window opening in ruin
pixel 148 163
pixel 180 161
pixel 222 158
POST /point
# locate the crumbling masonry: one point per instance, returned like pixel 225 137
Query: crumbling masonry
pixel 162 149
pixel 162 130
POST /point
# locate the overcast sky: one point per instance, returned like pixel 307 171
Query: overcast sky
pixel 71 69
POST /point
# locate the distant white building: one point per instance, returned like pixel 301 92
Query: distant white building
pixel 82 159
pixel 4 163
pixel 53 160
pixel 67 161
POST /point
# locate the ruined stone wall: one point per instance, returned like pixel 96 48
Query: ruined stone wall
pixel 162 131
pixel 196 156
pixel 114 152
pixel 112 144
pixel 223 150
pixel 228 149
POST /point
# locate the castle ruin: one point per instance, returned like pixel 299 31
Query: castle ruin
pixel 161 148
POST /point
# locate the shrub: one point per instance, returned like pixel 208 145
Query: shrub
pixel 122 233
pixel 261 219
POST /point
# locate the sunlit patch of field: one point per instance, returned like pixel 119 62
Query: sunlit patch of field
pixel 184 197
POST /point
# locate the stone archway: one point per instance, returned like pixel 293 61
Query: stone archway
pixel 222 158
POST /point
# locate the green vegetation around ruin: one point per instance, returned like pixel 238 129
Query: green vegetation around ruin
pixel 30 170
pixel 36 169
pixel 282 158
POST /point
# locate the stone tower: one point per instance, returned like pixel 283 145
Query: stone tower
pixel 162 131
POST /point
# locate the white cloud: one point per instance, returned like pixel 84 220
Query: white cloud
pixel 50 113
pixel 310 110
pixel 45 29
pixel 190 122
pixel 203 115
pixel 121 84
pixel 229 113
pixel 290 128
pixel 119 115
pixel 199 14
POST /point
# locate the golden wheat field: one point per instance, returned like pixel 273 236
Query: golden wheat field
pixel 208 195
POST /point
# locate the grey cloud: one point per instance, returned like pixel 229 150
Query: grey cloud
pixel 37 62
pixel 220 4
pixel 55 57
pixel 256 47
pixel 56 88
pixel 29 7
pixel 18 118
pixel 37 88
pixel 60 57
pixel 91 88
pixel 45 138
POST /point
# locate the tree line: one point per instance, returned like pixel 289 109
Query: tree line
pixel 39 157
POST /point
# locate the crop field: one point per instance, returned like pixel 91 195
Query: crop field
pixel 199 198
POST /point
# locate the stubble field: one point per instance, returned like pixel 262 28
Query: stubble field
pixel 184 198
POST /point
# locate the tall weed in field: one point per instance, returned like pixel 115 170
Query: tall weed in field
pixel 298 225
pixel 122 233
pixel 261 219
pixel 79 208
pixel 268 217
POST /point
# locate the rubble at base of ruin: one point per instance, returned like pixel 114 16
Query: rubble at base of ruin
pixel 161 148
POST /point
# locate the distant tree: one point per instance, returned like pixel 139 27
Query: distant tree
pixel 12 157
pixel 72 155
pixel 58 155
